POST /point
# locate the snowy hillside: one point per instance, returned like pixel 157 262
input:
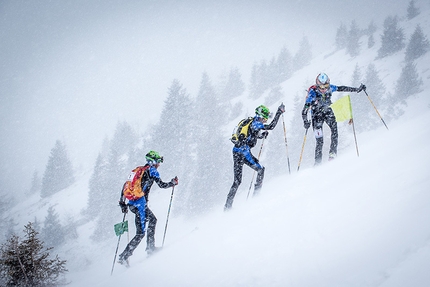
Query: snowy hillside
pixel 354 221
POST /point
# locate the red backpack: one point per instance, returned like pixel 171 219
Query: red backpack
pixel 132 189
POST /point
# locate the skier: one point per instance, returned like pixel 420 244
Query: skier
pixel 242 150
pixel 318 101
pixel 139 207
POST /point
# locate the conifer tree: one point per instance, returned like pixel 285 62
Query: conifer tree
pixel 371 29
pixel 353 44
pixel 370 41
pixel 52 231
pixel 304 55
pixel 275 95
pixel 234 87
pixel 392 39
pixel 208 141
pixel 36 183
pixel 108 179
pixel 409 82
pixel 284 65
pixel 418 45
pixel 341 36
pixel 356 76
pixel 97 186
pixel 27 262
pixel 412 10
pixel 260 79
pixel 365 117
pixel 58 173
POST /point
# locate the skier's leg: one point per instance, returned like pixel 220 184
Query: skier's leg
pixel 238 166
pixel 331 122
pixel 253 163
pixel 138 208
pixel 152 222
pixel 317 123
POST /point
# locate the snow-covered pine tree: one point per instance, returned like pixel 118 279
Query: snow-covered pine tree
pixel 114 172
pixel 234 87
pixel 36 184
pixel 365 117
pixel 97 187
pixel 412 10
pixel 356 78
pixel 210 179
pixel 275 95
pixel 304 55
pixel 52 231
pixel 371 29
pixel 418 45
pixel 353 41
pixel 260 80
pixel 27 262
pixel 392 39
pixel 341 39
pixel 409 82
pixel 59 171
pixel 172 137
pixel 284 64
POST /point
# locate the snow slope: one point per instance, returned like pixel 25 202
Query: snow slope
pixel 356 221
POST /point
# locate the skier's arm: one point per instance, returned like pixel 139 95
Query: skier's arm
pixel 121 203
pixel 122 197
pixel 272 125
pixel 163 184
pixel 305 111
pixel 349 89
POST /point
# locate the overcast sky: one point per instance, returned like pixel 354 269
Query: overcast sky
pixel 70 70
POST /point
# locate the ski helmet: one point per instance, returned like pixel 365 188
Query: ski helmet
pixel 153 156
pixel 262 111
pixel 322 81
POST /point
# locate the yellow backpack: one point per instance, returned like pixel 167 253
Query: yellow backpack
pixel 132 189
pixel 241 131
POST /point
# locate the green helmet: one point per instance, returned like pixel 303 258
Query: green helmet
pixel 154 157
pixel 262 111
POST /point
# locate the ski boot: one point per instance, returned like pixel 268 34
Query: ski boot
pixel 123 261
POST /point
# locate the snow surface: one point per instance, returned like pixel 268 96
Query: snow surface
pixel 355 221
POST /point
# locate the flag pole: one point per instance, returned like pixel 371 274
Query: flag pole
pixel 351 121
pixel 117 246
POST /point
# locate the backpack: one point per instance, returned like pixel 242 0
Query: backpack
pixel 241 131
pixel 132 189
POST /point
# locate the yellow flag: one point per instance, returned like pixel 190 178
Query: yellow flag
pixel 342 109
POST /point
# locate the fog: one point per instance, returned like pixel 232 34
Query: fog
pixel 70 70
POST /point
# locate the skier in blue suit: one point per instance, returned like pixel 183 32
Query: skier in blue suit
pixel 139 206
pixel 318 101
pixel 242 150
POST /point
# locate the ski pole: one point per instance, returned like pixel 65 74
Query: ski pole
pixel 254 170
pixel 168 213
pixel 286 145
pixel 376 109
pixel 116 251
pixel 303 147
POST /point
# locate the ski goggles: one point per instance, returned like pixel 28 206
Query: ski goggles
pixel 324 86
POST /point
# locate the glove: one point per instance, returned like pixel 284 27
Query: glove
pixel 361 88
pixel 306 124
pixel 124 207
pixel 281 108
pixel 265 134
pixel 174 180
